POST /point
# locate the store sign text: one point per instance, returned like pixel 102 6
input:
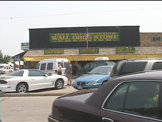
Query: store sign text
pixel 53 51
pixel 89 51
pixel 80 37
pixel 125 50
pixel 156 39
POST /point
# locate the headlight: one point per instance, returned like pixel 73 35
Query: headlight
pixel 93 82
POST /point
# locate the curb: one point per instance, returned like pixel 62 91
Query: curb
pixel 29 94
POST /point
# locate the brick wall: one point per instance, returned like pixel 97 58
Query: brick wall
pixel 145 39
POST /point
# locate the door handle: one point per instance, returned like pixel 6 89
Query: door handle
pixel 104 119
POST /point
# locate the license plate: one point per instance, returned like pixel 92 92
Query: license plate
pixel 79 87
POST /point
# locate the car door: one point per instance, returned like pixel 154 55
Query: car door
pixel 38 80
pixel 132 102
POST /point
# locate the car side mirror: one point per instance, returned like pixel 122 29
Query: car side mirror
pixel 46 75
pixel 49 74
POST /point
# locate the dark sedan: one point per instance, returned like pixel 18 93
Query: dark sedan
pixel 131 98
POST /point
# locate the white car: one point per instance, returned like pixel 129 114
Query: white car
pixel 5 69
pixel 25 80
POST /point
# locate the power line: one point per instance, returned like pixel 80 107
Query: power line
pixel 72 13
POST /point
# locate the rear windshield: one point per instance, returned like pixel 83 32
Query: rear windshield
pixel 128 67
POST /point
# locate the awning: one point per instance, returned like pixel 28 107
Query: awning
pixel 75 58
pixel 37 59
pixel 92 57
pixel 20 54
pixel 134 56
pixel 154 56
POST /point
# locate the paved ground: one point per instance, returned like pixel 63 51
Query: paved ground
pixel 44 92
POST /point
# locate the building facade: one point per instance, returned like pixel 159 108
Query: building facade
pixel 115 42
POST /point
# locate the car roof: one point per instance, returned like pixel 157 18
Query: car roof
pixel 29 70
pixel 143 75
pixel 143 59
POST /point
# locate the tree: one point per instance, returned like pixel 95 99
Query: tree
pixel 1 56
pixel 5 58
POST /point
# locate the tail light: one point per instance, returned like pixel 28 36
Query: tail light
pixel 3 82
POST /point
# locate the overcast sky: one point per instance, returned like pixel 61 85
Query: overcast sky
pixel 17 17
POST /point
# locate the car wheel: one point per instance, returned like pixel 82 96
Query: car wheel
pixel 59 84
pixel 21 88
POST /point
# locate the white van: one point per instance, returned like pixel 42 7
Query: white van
pixel 51 65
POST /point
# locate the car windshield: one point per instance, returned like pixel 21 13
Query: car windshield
pixel 101 70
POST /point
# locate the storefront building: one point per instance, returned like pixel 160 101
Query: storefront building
pixel 114 42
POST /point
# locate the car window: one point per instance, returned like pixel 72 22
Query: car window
pixel 65 64
pixel 43 66
pixel 116 100
pixel 130 67
pixel 49 66
pixel 16 73
pixel 37 66
pixel 35 73
pixel 157 66
pixel 61 63
pixel 101 70
pixel 139 98
pixel 86 66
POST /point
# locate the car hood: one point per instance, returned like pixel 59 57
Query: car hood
pixel 91 77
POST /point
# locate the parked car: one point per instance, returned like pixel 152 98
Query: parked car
pixel 135 65
pixel 89 66
pixel 25 80
pixel 128 98
pixel 5 69
pixel 94 79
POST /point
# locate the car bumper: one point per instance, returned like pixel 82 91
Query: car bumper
pixel 91 86
pixel 52 119
pixel 7 88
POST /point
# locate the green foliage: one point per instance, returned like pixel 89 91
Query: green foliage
pixel 5 58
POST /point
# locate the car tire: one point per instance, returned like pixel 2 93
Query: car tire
pixel 21 88
pixel 59 84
